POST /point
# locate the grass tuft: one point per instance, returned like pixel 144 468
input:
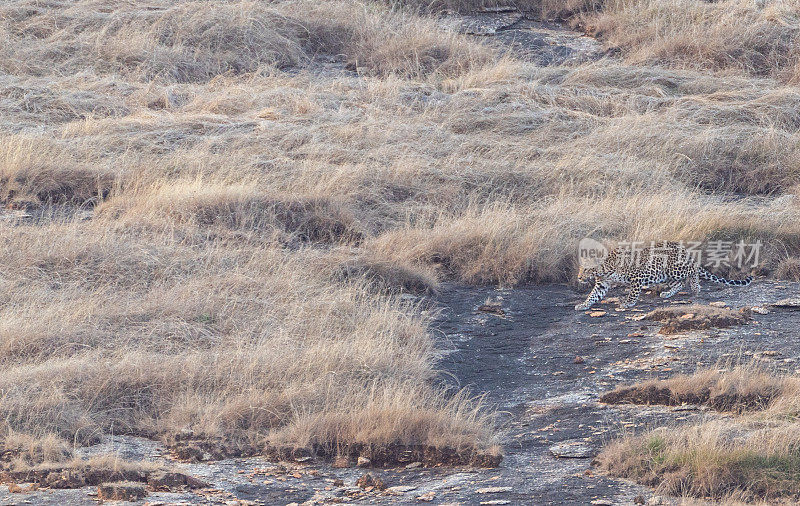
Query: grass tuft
pixel 753 456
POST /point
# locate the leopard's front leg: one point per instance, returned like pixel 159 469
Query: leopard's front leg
pixel 633 294
pixel 597 294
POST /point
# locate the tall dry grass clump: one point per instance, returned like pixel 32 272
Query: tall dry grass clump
pixel 759 38
pixel 753 456
pixel 108 332
pixel 208 293
pixel 749 461
pixel 756 37
pixel 239 207
pixel 35 171
pixel 195 41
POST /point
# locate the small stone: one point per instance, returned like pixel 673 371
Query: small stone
pixel 602 502
pixel 194 483
pixel 400 489
pixel 639 499
pixel 363 462
pixel 574 449
pixel 68 478
pixel 597 314
pixel 492 308
pixel 352 491
pixel 413 465
pixel 717 303
pixel 578 360
pixel 427 496
pixel 793 302
pixel 496 501
pixel 302 459
pixel 760 310
pixel 165 481
pixel 121 491
pixel 687 316
pixel 496 10
pixel 338 482
pixel 493 490
pixel 368 481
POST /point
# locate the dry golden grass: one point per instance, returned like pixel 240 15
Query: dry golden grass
pixel 185 41
pixel 747 460
pixel 788 269
pixel 748 457
pixel 210 292
pixel 757 37
pixel 267 176
pixel 739 389
pixel 216 335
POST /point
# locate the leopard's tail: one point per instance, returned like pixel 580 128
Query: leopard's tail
pixel 730 282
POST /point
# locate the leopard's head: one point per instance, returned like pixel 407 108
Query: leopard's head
pixel 586 274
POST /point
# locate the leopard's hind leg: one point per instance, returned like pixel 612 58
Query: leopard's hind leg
pixel 694 280
pixel 672 288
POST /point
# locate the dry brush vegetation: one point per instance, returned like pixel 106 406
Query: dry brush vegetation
pixel 751 456
pixel 264 175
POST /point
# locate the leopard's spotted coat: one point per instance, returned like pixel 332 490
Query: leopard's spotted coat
pixel 664 262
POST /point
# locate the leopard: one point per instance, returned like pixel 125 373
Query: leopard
pixel 661 262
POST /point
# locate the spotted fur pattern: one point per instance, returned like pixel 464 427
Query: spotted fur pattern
pixel 664 262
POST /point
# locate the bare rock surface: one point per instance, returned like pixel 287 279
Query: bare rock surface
pixel 551 419
pixel 788 302
pixel 576 449
pixel 527 38
pixel 486 23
